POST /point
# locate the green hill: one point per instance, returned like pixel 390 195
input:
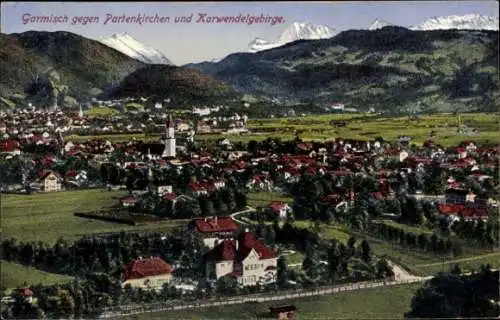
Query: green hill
pixel 390 69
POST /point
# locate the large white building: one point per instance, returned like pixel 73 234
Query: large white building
pixel 169 151
pixel 245 258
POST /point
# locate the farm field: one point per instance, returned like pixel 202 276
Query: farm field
pixel 440 128
pixel 47 217
pixel 14 275
pixel 378 303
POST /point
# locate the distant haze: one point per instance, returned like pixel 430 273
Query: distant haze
pixel 193 42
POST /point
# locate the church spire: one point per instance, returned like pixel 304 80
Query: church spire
pixel 170 123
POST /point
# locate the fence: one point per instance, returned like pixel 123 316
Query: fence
pixel 172 305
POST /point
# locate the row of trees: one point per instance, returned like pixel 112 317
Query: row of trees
pixel 107 253
pixel 484 233
pixel 432 243
pixel 220 202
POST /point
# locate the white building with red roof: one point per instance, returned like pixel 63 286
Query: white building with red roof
pixel 280 208
pixel 147 273
pixel 213 229
pixel 245 258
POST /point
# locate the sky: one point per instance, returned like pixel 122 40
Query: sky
pixel 196 42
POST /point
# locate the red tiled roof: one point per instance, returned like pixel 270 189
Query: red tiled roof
pixel 141 268
pixel 226 250
pixel 378 195
pixel 277 205
pixel 218 224
pixel 460 209
pixel 129 200
pixel 9 145
pixel 248 241
pixel 169 196
pixel 44 173
pixel 26 292
pixel 450 208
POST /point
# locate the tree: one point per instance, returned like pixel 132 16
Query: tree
pixel 226 285
pixel 282 272
pixel 441 297
pixel 449 295
pixel 455 269
pixel 365 251
pixel 310 266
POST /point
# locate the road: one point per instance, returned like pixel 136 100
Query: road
pixel 247 210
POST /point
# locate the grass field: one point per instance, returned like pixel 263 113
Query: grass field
pixel 262 199
pixel 417 262
pixel 46 217
pixel 359 126
pixel 14 275
pixel 378 303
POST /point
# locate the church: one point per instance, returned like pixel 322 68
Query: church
pixel 169 149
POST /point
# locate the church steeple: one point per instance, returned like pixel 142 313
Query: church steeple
pixel 169 151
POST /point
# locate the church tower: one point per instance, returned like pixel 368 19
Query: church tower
pixel 169 151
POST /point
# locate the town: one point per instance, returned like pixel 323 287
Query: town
pixel 188 220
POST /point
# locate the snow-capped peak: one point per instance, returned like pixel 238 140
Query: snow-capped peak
pixel 296 31
pixel 379 24
pixel 465 22
pixel 129 46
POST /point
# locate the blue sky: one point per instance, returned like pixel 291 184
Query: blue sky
pixel 192 42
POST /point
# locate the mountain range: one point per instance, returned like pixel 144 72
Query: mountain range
pixel 297 31
pixel 383 66
pixel 46 68
pixel 124 43
pixel 388 68
pixel 309 31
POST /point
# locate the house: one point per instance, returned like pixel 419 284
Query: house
pixel 281 209
pixel 397 155
pixel 213 229
pixel 203 127
pixel 129 201
pixel 461 152
pixel 246 259
pixel 50 181
pixel 27 294
pixel 164 189
pixel 147 273
pixel 198 189
pixel 260 183
pixel 456 195
pixel 287 312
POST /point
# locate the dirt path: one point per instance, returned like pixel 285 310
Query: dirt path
pixel 401 274
pixel 460 260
